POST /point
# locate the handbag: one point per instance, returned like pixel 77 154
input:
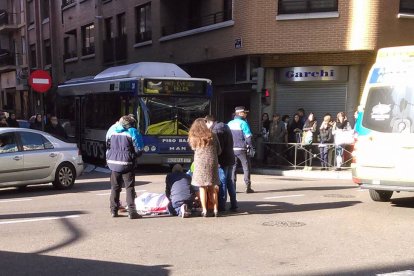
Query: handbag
pixel 307 138
pixel 345 137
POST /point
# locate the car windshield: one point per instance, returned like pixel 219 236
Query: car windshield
pixel 170 115
pixel 390 109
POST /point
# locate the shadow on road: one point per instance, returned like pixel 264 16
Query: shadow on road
pixel 13 263
pixel 406 202
pixel 48 189
pixel 319 188
pixel 271 207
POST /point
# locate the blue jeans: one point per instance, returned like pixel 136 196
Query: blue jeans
pixel 174 208
pixel 226 186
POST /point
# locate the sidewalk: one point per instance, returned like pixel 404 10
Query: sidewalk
pixel 316 173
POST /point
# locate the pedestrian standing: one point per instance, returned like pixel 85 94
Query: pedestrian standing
pixel 54 128
pixel 242 145
pixel 124 146
pixel 3 122
pixel 325 132
pixel 265 125
pixel 206 150
pixel 11 121
pixel 226 162
pixel 309 129
pixel 277 134
pixel 37 124
pixel 341 130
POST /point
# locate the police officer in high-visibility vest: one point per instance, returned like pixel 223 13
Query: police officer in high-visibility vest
pixel 242 145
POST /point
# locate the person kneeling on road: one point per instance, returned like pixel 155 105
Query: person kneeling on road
pixel 179 192
pixel 124 145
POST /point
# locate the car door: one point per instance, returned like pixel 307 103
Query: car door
pixel 11 159
pixel 39 156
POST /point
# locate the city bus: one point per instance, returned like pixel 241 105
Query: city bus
pixel 383 155
pixel 164 99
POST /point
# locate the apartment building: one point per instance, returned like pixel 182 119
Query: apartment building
pixel 13 58
pixel 315 53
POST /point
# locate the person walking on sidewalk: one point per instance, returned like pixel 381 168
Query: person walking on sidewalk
pixel 226 162
pixel 242 145
pixel 124 146
pixel 206 150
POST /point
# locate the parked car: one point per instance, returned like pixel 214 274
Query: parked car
pixel 30 157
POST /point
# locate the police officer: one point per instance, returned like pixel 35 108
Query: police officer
pixel 124 145
pixel 242 145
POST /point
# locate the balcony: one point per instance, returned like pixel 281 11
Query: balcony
pixel 195 23
pixel 115 50
pixel 8 21
pixel 7 61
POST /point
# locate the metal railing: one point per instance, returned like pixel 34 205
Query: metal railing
pixel 8 18
pixel 67 3
pixel 143 36
pixel 195 23
pixel 115 49
pixel 297 156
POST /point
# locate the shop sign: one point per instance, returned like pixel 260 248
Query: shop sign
pixel 313 73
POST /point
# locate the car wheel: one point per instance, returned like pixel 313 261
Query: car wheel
pixel 64 177
pixel 382 196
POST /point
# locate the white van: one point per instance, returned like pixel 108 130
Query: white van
pixel 383 157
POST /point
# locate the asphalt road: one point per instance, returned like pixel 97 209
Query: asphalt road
pixel 291 226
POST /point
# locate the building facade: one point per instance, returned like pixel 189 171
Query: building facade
pixel 315 54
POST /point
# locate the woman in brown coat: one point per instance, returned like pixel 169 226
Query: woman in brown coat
pixel 206 149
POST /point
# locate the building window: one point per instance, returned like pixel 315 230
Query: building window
pixel 31 12
pixel 109 34
pixel 67 3
pixel 33 61
pixel 306 6
pixel 44 5
pixel 70 45
pixel 88 40
pixel 48 52
pixel 406 6
pixel 121 23
pixel 143 20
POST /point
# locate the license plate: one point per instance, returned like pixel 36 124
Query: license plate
pixel 178 160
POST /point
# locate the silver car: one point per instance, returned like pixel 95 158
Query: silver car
pixel 34 157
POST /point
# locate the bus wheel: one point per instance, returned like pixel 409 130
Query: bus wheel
pixel 383 196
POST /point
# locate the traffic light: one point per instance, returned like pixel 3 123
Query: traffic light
pixel 257 78
pixel 265 95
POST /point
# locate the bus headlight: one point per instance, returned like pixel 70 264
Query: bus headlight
pixel 146 149
pixel 153 148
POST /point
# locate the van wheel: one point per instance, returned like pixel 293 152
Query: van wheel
pixel 64 177
pixel 382 196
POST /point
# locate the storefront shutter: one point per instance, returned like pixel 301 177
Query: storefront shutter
pixel 319 98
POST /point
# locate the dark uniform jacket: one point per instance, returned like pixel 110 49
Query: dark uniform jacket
pixel 223 132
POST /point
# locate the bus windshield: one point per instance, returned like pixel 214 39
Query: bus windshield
pixel 170 115
pixel 390 109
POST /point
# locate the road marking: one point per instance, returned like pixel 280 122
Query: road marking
pixel 105 194
pixel 399 273
pixel 36 219
pixel 15 200
pixel 285 196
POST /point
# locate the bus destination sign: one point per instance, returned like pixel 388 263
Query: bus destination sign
pixel 173 87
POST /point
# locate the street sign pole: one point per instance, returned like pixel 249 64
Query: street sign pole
pixel 41 82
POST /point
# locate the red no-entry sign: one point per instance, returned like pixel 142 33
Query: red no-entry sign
pixel 40 81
